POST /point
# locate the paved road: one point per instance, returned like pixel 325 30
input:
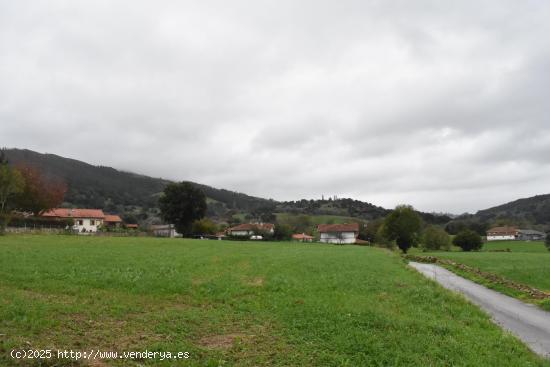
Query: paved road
pixel 527 322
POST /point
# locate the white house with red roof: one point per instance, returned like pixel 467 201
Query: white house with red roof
pixel 338 233
pixel 251 229
pixel 85 220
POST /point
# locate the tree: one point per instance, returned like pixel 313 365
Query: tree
pixel 403 226
pixel 547 241
pixel 181 204
pixel 435 238
pixel 282 232
pixel 204 226
pixel 40 193
pixel 468 240
pixel 11 184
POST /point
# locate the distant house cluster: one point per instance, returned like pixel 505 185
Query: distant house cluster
pixel 328 233
pixel 86 220
pixel 514 234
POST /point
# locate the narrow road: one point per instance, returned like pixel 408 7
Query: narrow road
pixel 527 322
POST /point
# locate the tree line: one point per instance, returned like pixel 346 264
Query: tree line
pixel 26 189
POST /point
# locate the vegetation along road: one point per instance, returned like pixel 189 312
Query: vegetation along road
pixel 528 322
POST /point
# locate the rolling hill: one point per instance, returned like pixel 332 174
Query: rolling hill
pixel 136 195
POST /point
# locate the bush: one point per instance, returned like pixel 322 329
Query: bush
pixel 468 240
pixel 435 238
pixel 547 241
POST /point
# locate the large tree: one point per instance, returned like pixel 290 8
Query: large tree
pixel 181 204
pixel 11 184
pixel 41 192
pixel 403 225
pixel 468 240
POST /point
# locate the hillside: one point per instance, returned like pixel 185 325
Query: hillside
pixel 121 192
pixel 135 196
pixel 535 210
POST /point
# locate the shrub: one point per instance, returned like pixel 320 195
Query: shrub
pixel 468 240
pixel 547 241
pixel 435 238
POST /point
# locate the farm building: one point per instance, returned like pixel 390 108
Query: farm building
pixel 531 235
pixel 112 220
pixel 251 229
pixel 165 230
pixel 85 220
pixel 512 233
pixel 302 237
pixel 338 233
pixel 502 234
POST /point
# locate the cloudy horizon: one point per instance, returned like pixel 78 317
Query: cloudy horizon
pixel 439 105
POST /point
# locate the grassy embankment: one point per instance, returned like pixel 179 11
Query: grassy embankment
pixel 232 303
pixel 527 263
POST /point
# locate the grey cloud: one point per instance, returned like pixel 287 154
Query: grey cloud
pixel 442 105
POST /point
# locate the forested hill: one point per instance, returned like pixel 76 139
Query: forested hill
pixel 136 196
pixel 115 191
pixel 535 210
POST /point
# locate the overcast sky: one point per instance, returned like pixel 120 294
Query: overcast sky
pixel 442 105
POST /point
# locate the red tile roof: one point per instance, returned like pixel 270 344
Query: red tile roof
pixel 75 213
pixel 502 231
pixel 252 226
pixel 326 228
pixel 131 225
pixel 112 218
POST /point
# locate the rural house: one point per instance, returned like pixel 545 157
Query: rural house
pixel 302 237
pixel 502 234
pixel 112 220
pixel 165 230
pixel 85 220
pixel 338 233
pixel 531 235
pixel 254 230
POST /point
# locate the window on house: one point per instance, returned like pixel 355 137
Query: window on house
pixel 80 222
pixel 92 222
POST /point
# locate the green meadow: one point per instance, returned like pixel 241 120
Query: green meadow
pixel 236 304
pixel 526 262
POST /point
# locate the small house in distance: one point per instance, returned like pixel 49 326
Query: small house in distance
pixel 165 230
pixel 531 235
pixel 112 221
pixel 302 237
pixel 338 233
pixel 502 234
pixel 85 220
pixel 252 230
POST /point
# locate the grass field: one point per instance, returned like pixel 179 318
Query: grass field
pixel 527 263
pixel 231 303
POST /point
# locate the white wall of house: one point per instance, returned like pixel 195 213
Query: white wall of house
pixel 338 237
pixel 241 233
pixel 83 225
pixel 501 238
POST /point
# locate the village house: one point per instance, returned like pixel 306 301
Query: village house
pixel 164 230
pixel 338 233
pixel 85 220
pixel 112 220
pixel 252 230
pixel 302 237
pixel 531 235
pixel 502 234
pixel 512 233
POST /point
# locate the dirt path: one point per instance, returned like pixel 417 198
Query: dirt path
pixel 527 322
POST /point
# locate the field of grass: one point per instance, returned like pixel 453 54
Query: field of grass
pixel 232 303
pixel 527 263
